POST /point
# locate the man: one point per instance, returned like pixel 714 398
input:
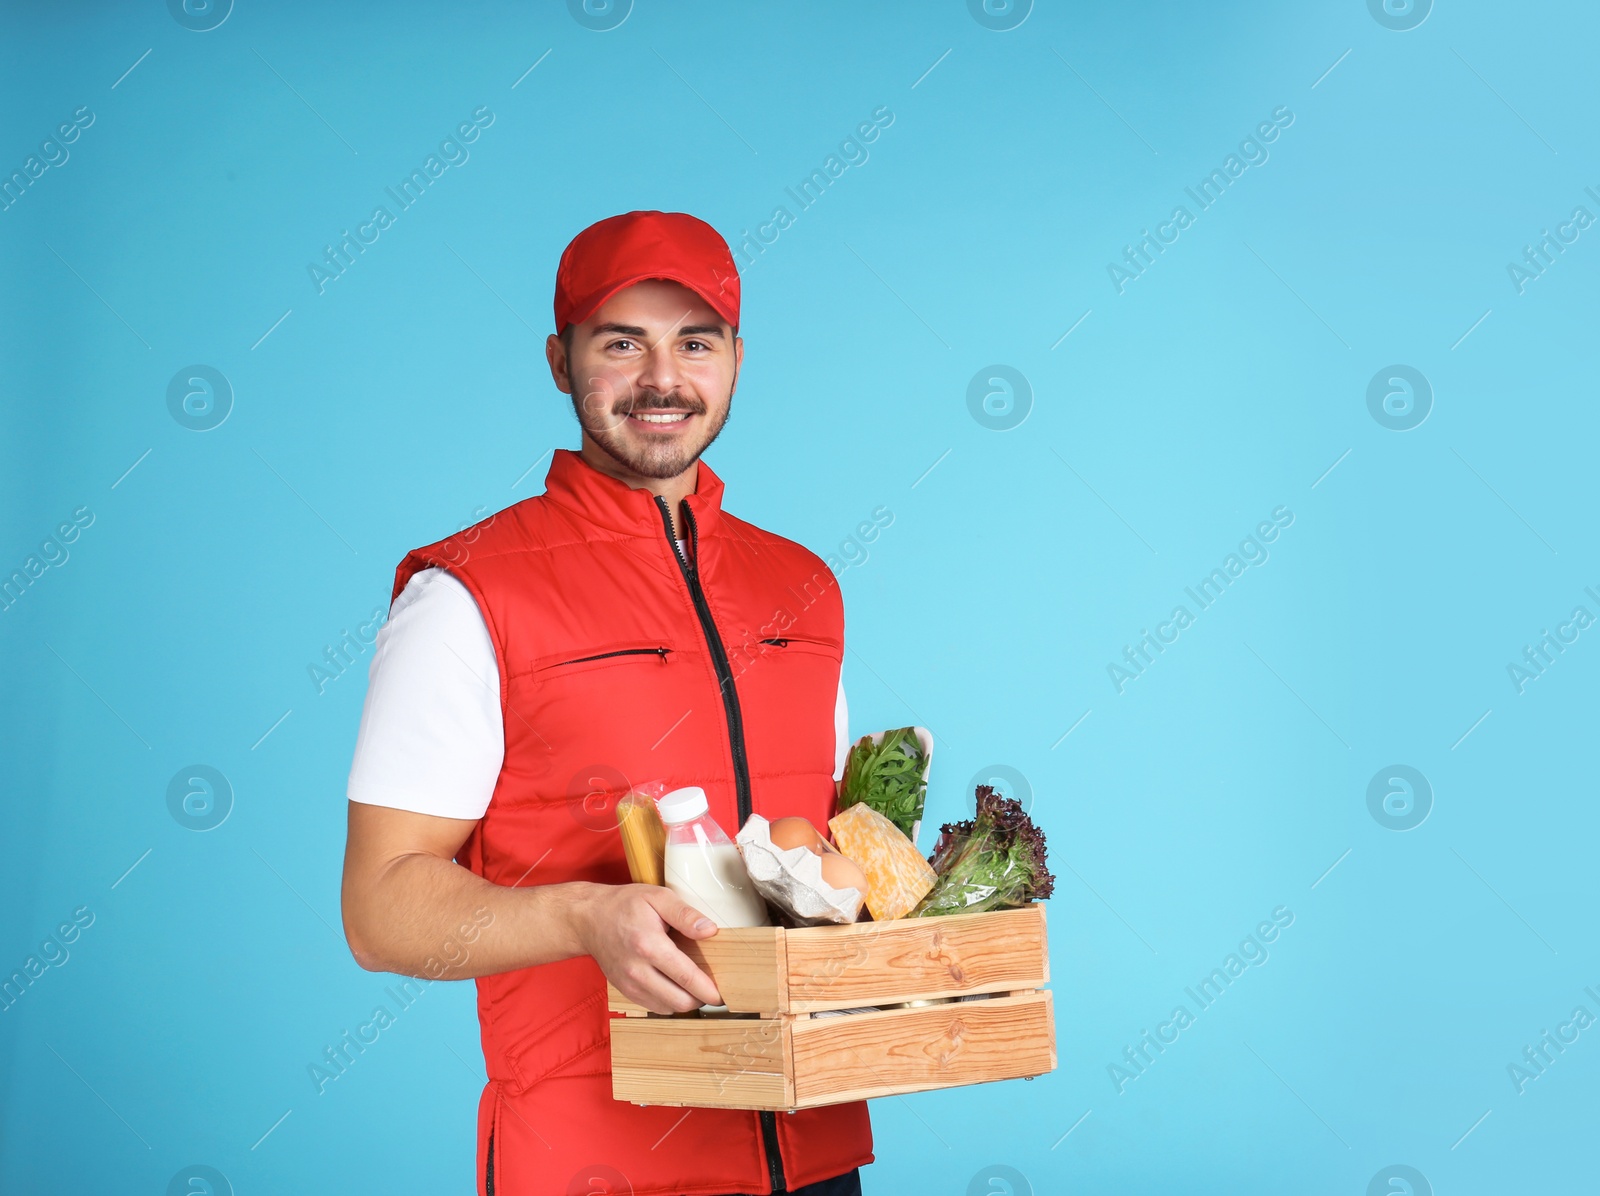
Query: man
pixel 621 628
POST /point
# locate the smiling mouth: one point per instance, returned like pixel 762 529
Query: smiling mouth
pixel 660 419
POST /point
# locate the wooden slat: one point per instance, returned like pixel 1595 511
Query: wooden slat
pixel 747 965
pixel 736 1063
pixel 1044 941
pixel 879 963
pixel 861 1055
pixel 770 970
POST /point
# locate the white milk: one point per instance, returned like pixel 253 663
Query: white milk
pixel 711 877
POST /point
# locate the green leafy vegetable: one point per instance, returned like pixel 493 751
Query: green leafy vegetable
pixel 992 861
pixel 887 776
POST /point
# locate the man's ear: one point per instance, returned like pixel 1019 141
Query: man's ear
pixel 560 369
pixel 738 361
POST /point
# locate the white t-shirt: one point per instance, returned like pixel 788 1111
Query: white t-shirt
pixel 431 737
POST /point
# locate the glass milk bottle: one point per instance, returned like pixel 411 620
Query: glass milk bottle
pixel 703 865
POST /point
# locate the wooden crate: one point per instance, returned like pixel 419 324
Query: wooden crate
pixel 789 1052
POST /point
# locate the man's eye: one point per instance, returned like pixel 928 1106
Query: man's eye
pixel 619 344
pixel 693 344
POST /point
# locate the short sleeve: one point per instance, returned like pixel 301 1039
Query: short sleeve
pixel 432 739
pixel 841 731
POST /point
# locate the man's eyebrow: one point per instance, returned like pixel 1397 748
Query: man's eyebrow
pixel 635 330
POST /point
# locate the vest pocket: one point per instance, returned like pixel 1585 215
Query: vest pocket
pixel 792 643
pixel 788 689
pixel 582 659
pixel 660 652
pixel 593 718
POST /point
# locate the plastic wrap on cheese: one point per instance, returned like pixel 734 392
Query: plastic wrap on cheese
pixel 897 877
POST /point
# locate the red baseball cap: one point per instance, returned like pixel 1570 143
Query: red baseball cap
pixel 621 250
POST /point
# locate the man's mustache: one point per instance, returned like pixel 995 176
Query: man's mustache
pixel 658 403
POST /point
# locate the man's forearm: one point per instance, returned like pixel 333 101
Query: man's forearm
pixel 426 916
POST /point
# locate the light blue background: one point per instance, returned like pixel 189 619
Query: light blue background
pixel 412 397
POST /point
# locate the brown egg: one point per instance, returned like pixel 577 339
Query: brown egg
pixel 794 832
pixel 842 872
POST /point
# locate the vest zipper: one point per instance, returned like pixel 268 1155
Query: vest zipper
pixel 661 652
pixel 769 1139
pixel 719 657
pixel 741 766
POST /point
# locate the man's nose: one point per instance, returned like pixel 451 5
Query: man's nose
pixel 660 372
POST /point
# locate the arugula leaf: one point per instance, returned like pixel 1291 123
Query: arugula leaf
pixel 887 776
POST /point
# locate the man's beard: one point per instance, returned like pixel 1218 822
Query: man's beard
pixel 608 428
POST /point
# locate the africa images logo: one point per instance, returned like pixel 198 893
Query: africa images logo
pixel 1141 255
pixel 453 151
pixel 1252 952
pixel 1141 654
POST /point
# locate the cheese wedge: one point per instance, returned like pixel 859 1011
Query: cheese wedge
pixel 897 877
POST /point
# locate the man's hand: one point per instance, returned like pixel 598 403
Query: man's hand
pixel 406 902
pixel 624 927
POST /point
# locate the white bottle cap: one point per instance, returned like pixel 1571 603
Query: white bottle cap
pixel 682 805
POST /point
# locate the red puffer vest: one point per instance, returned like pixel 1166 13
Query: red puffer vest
pixel 621 664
